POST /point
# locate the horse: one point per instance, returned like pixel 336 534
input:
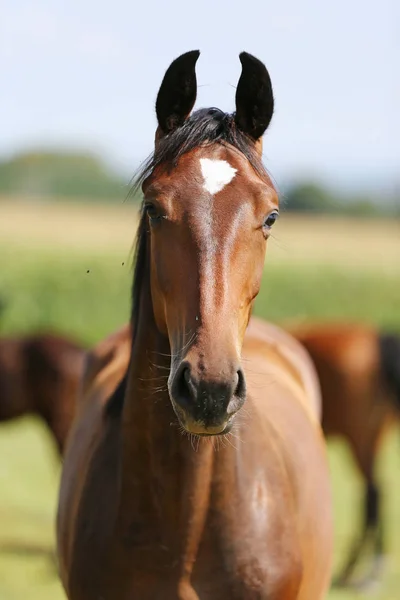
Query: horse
pixel 196 467
pixel 359 373
pixel 40 375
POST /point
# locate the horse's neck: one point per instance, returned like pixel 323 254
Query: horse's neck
pixel 165 478
pixel 163 471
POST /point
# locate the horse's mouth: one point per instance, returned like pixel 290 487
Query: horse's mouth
pixel 225 431
pixel 201 429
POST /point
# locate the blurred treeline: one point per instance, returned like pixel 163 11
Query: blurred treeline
pixel 62 175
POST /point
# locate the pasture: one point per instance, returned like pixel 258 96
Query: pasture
pixel 67 268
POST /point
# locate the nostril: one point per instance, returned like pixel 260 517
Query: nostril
pixel 183 388
pixel 186 375
pixel 240 390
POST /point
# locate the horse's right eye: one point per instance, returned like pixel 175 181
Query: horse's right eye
pixel 152 211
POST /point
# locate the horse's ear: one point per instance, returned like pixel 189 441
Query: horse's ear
pixel 177 94
pixel 254 97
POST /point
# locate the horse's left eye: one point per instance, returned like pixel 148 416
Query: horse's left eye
pixel 270 220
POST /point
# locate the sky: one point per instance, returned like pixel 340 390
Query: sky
pixel 85 74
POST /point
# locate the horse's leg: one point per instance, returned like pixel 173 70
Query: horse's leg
pixel 344 577
pixel 374 518
pixel 372 528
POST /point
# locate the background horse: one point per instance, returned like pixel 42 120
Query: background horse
pixel 359 373
pixel 40 374
pixel 144 511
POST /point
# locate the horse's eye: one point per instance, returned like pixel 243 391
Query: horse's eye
pixel 270 220
pixel 152 211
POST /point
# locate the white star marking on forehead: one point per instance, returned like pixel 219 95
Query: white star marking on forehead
pixel 216 173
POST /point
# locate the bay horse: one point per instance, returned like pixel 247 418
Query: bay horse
pixel 171 488
pixel 359 373
pixel 40 375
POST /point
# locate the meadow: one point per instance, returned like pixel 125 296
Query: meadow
pixel 68 268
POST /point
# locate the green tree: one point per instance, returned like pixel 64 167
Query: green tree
pixel 310 197
pixel 61 174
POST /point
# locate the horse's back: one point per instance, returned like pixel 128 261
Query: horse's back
pixel 356 401
pixel 347 361
pixel 347 346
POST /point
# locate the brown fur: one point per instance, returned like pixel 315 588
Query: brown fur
pixel 213 517
pixel 39 374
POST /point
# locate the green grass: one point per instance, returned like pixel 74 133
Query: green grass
pixel 88 296
pixel 55 291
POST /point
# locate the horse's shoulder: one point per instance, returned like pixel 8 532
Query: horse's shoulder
pixel 293 358
pixel 92 436
pixel 105 365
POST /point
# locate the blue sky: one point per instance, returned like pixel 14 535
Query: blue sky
pixel 86 73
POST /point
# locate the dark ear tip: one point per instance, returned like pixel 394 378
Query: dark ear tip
pixel 247 59
pixel 244 56
pixel 188 57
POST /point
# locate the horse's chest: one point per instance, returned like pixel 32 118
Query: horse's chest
pixel 240 555
pixel 243 576
pixel 251 553
pixel 250 557
pixel 246 547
